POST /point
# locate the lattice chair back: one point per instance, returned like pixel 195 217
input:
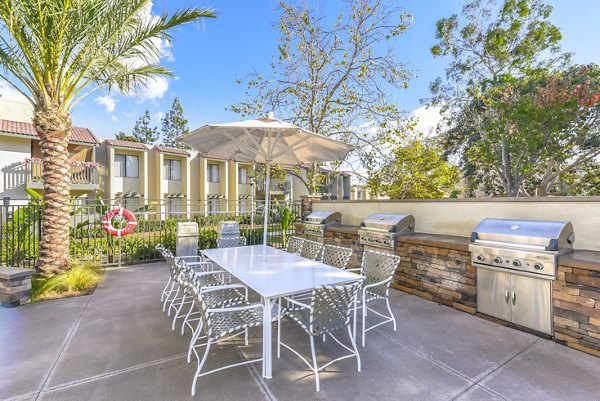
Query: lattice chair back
pixel 311 249
pixel 376 267
pixel 294 245
pixel 194 291
pixel 336 256
pixel 230 242
pixel 184 272
pixel 331 307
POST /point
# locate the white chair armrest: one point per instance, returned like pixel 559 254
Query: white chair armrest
pixel 376 284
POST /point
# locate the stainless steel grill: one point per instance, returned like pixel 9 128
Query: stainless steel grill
pixel 316 222
pixel 516 262
pixel 380 230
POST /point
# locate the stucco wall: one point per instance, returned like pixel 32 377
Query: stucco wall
pixel 460 216
pixel 13 177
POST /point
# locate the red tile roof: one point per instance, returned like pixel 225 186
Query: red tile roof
pixel 172 151
pixel 79 134
pixel 116 143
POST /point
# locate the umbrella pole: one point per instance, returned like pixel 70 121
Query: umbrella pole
pixel 267 196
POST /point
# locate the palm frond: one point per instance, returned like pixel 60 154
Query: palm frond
pixel 62 50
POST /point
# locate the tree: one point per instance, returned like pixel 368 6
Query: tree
pixel 497 53
pixel 56 53
pixel 174 125
pixel 121 136
pixel 143 132
pixel 334 78
pixel 415 169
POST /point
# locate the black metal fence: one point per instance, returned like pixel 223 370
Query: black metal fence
pixel 20 228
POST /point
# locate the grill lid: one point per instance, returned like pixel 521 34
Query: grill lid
pixel 323 218
pixel 546 235
pixel 393 223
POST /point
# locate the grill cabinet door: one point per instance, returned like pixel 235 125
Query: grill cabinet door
pixel 531 302
pixel 493 293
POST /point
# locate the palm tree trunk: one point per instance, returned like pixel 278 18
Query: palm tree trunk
pixel 54 130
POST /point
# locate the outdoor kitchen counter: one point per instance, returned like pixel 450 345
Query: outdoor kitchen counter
pixel 437 240
pixel 581 259
pixel 344 229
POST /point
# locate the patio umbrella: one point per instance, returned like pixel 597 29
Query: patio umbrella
pixel 265 140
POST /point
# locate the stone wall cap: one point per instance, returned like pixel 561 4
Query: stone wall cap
pixel 11 273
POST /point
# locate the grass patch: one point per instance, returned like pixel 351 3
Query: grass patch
pixel 80 279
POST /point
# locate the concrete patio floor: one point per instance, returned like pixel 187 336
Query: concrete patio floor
pixel 117 344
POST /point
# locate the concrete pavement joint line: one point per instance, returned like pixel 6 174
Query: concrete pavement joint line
pixel 62 348
pixel 425 356
pixel 492 373
pixel 113 373
pixel 256 376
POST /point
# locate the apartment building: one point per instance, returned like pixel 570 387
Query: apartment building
pixel 169 179
pixel 125 172
pixel 21 163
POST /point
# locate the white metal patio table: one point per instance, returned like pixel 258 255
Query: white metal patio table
pixel 273 273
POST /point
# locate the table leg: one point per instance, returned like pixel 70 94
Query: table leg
pixel 268 304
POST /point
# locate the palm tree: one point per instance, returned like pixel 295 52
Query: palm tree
pixel 56 52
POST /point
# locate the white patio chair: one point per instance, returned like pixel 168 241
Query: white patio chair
pixel 210 277
pixel 229 293
pixel 230 242
pixel 336 256
pixel 191 260
pixel 294 245
pixel 311 249
pixel 378 269
pixel 221 323
pixel 329 311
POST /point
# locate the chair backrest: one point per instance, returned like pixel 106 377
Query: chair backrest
pixel 294 244
pixel 230 242
pixel 194 291
pixel 336 256
pixel 377 267
pixel 311 249
pixel 331 307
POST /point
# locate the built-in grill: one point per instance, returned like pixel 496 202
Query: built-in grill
pixel 316 223
pixel 380 230
pixel 516 262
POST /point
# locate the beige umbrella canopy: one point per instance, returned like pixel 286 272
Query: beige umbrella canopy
pixel 265 140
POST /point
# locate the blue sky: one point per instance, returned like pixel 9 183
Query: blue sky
pixel 207 58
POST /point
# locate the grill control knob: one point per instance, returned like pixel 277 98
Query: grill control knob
pixel 480 257
pixel 497 259
pixel 516 263
pixel 538 266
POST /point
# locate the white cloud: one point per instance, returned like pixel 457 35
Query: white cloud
pixel 154 88
pixel 428 119
pixel 7 92
pixel 107 101
pixel 114 118
pixel 156 117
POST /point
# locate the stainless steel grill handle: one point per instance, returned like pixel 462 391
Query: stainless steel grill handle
pixel 506 296
pixel 514 298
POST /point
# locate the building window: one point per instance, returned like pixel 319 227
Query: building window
pixel 213 206
pixel 242 175
pixel 213 172
pixel 131 202
pixel 127 166
pixel 172 170
pixel 244 205
pixel 173 206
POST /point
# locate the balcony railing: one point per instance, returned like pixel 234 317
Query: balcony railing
pixel 275 186
pixel 84 175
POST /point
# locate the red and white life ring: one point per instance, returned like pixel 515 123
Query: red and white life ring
pixel 124 214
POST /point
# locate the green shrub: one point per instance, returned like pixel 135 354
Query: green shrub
pixel 78 280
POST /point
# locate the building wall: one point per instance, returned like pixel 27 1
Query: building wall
pixel 460 216
pixel 13 176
